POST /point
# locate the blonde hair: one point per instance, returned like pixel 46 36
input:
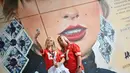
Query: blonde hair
pixel 66 40
pixel 53 45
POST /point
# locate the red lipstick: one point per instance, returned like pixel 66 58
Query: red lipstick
pixel 74 33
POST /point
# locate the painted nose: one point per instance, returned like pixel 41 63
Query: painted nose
pixel 71 14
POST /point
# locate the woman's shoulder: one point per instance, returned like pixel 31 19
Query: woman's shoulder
pixel 73 44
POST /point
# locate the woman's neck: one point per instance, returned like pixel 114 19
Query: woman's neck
pixel 66 45
pixel 49 48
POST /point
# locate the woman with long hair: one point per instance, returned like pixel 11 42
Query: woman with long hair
pixel 72 55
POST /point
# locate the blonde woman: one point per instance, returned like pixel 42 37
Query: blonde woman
pixel 51 54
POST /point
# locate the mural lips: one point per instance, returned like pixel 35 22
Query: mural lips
pixel 74 33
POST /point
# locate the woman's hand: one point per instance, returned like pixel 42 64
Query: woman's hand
pixel 79 70
pixel 57 64
pixel 37 34
pixel 36 41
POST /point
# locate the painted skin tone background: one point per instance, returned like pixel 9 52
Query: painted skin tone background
pixel 56 20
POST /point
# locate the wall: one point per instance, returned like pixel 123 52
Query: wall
pixel 48 15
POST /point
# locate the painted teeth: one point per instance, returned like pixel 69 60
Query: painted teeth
pixel 73 31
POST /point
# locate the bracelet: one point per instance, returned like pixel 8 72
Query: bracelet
pixel 79 67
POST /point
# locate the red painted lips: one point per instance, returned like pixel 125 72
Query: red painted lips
pixel 74 33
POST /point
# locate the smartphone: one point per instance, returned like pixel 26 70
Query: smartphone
pixel 38 30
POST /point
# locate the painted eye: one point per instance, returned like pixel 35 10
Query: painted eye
pixel 66 16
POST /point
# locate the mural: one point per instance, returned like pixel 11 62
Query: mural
pixel 85 26
pixel 4 44
pixel 15 61
pixel 100 28
pixel 13 48
pixel 106 38
pixel 13 29
pixel 24 43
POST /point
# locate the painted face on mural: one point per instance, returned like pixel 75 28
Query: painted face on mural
pixel 80 24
